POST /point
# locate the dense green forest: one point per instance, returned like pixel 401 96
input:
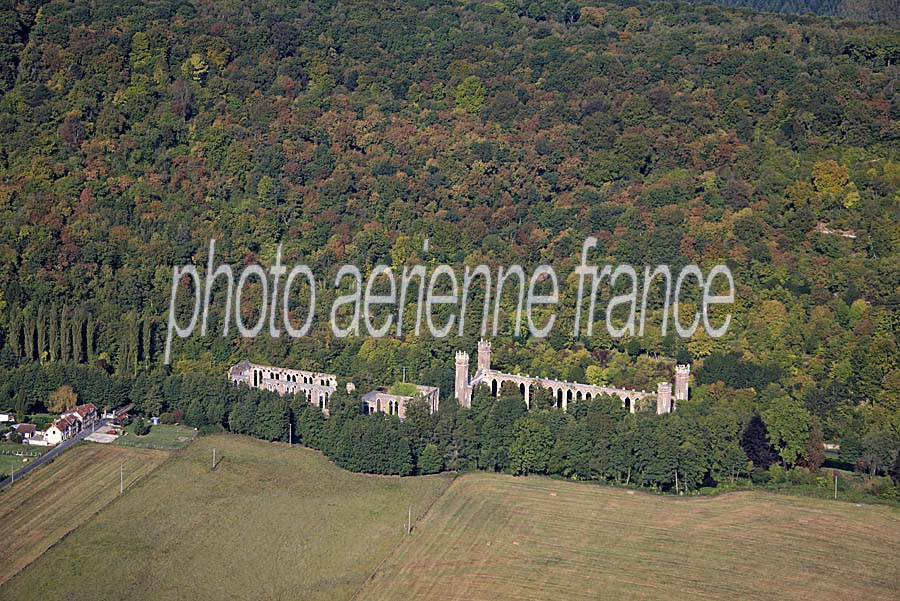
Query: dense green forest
pixel 503 132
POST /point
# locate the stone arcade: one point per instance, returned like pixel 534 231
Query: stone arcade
pixel 563 391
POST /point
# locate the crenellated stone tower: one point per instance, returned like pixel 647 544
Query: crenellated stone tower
pixel 682 375
pixel 484 355
pixel 462 377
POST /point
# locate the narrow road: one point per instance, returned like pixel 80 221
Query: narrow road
pixel 49 455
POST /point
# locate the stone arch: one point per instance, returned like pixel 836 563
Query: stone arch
pixel 522 388
pixel 559 397
pixel 627 404
pixel 494 387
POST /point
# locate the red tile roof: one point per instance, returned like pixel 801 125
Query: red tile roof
pixel 26 428
pixel 81 411
pixel 64 421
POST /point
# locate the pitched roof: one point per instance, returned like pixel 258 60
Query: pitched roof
pixel 26 428
pixel 64 421
pixel 81 410
pixel 84 410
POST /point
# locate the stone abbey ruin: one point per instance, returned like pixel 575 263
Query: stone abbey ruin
pixel 318 386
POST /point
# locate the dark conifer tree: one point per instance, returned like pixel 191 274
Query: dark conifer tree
pixel 755 443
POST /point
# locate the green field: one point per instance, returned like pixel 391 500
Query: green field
pixel 9 459
pixel 57 498
pixel 269 523
pixel 272 522
pixel 160 437
pixel 498 537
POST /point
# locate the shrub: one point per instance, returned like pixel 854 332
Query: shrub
pixel 760 476
pixel 140 427
pixel 210 429
pixel 800 475
pixel 777 474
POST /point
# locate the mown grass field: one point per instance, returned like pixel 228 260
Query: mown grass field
pixel 57 498
pixel 160 437
pixel 270 522
pixel 498 537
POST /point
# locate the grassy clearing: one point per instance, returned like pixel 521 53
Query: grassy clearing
pixel 15 456
pixel 160 437
pixel 58 497
pixel 269 523
pixel 498 537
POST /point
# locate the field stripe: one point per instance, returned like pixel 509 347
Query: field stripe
pixel 498 537
pixel 57 498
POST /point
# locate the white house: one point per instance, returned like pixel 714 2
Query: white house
pixel 7 417
pixel 61 429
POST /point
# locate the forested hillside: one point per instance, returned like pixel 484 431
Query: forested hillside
pixel 132 133
pixel 879 11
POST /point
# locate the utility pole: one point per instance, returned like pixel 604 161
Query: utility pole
pixel 404 374
pixel 290 434
pixel 12 474
pixel 214 458
pixel 409 521
pixel 835 485
pixel 121 478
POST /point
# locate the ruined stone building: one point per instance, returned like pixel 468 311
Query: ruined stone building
pixel 318 387
pixel 563 391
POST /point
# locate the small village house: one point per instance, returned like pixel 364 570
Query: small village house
pixel 71 423
pixel 25 431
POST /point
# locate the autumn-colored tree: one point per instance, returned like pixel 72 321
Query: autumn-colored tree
pixel 814 454
pixel 63 399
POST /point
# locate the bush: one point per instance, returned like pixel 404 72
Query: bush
pixel 892 494
pixel 139 427
pixel 210 429
pixel 777 474
pixel 760 476
pixel 173 417
pixel 800 475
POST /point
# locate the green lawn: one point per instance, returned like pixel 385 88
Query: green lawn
pixel 160 437
pixel 41 420
pixel 8 459
pixel 270 522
